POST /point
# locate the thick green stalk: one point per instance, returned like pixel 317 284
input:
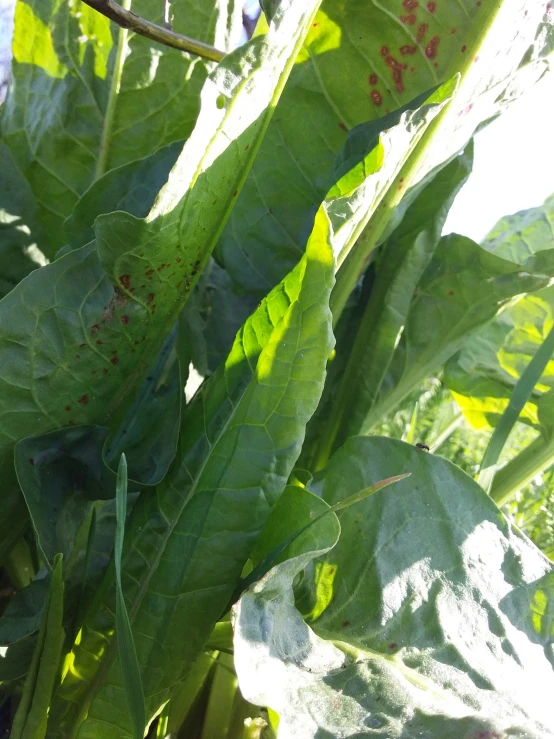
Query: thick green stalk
pixel 518 398
pixel 518 473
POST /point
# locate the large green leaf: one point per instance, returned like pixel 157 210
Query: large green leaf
pixel 462 289
pixel 79 335
pixel 484 372
pixel 417 635
pixel 360 61
pixel 87 96
pixel 189 541
pixel 398 270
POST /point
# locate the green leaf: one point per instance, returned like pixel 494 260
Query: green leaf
pixel 60 474
pixel 130 668
pixel 359 62
pixel 24 612
pixel 462 289
pixel 131 187
pixel 523 234
pixel 148 434
pixel 422 634
pixel 87 97
pixel 403 260
pixel 16 660
pixel 79 335
pixel 32 714
pixel 188 542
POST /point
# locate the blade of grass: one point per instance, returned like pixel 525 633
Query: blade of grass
pixel 30 721
pixel 130 669
pixel 519 397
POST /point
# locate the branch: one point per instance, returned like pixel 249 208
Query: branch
pixel 128 19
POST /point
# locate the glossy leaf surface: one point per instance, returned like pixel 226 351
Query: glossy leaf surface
pixel 239 441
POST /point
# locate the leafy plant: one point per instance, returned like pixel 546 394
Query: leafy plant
pixel 258 557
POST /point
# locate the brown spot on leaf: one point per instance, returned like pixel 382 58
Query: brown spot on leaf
pixel 125 281
pixel 431 48
pixel 376 97
pixel 372 79
pixel 83 400
pixel 114 360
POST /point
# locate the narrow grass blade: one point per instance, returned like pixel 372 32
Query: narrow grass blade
pixel 127 653
pixel 31 719
pixel 519 397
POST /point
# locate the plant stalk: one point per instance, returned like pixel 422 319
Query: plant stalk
pixel 129 20
pixel 518 473
pixel 518 398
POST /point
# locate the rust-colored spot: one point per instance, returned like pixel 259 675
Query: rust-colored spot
pixel 452 31
pixel 393 645
pixel 114 360
pixel 124 319
pixel 478 3
pixel 384 50
pixel 421 31
pixel 464 47
pixel 67 407
pixel 99 341
pixel 342 126
pixel 125 281
pixel 346 623
pixel 412 69
pixel 376 97
pixel 401 179
pixel 431 7
pixel 95 328
pixel 150 297
pixel 178 260
pixel 314 25
pixel 162 266
pixel 195 267
pixel 409 20
pixel 451 292
pixel 372 79
pixel 82 345
pixel 410 4
pixel 431 48
pixel 149 272
pixel 104 371
pixel 400 187
pixel 83 400
pixel 235 193
pixel 407 49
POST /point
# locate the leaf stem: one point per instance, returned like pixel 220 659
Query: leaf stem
pixel 129 20
pixel 106 138
pixel 518 473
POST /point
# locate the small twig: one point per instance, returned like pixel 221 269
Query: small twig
pixel 128 19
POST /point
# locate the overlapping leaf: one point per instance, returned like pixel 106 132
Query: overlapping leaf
pixel 416 634
pixel 78 335
pixel 400 266
pixel 86 97
pixel 360 61
pixel 463 288
pixel 188 542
